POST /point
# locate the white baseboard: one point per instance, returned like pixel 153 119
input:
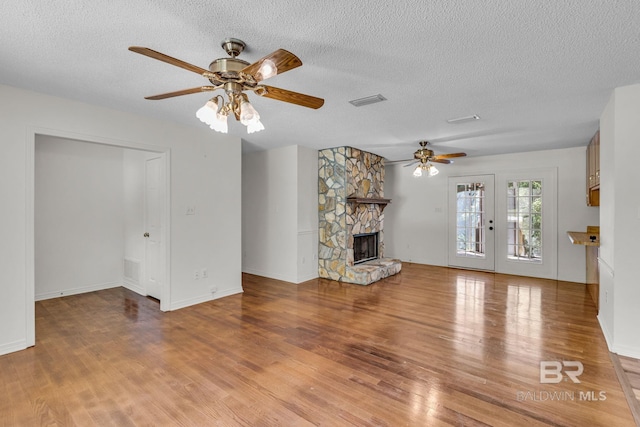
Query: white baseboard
pixel 134 287
pixel 269 275
pixel 13 347
pixel 204 298
pixel 627 351
pixel 607 336
pixel 78 290
pixel 307 277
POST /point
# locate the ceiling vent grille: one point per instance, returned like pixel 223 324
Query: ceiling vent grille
pixel 367 100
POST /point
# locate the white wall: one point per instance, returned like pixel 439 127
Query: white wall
pixel 205 173
pixel 280 213
pixel 78 217
pixel 307 214
pixel 416 220
pixel 620 221
pixel 270 213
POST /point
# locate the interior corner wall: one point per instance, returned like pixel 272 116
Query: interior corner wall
pixel 78 217
pixel 307 252
pixel 280 213
pixel 270 213
pixel 416 221
pixel 620 218
pixel 205 173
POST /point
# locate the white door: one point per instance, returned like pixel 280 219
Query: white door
pixel 471 225
pixel 153 206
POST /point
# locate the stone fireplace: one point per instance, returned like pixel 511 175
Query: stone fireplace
pixel 351 203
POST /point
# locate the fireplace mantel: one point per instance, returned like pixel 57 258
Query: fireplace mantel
pixel 369 200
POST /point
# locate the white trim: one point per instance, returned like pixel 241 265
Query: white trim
pixel 548 268
pixel 13 347
pixel 276 276
pixel 624 350
pixel 205 298
pixel 134 287
pixel 30 141
pixel 78 290
pixel 30 257
pixel 307 278
pixel 607 335
pixel 607 267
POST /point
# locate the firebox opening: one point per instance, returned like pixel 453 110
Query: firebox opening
pixel 365 247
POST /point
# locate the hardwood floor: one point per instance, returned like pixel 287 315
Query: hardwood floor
pixel 431 346
pixel 628 370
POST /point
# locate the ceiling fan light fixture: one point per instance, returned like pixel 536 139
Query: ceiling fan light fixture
pixel 267 69
pixel 207 113
pixel 425 168
pixel 256 126
pixel 220 123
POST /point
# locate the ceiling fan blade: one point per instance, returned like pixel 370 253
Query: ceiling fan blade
pixel 436 160
pixel 282 59
pixel 181 92
pixel 449 156
pixel 168 59
pixel 292 97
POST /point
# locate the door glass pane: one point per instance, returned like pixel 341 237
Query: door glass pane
pixel 470 232
pixel 524 220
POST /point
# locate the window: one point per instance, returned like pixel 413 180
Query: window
pixel 524 220
pixel 470 233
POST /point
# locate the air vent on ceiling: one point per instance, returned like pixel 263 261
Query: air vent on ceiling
pixel 367 100
pixel 464 119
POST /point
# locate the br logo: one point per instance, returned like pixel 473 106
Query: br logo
pixel 551 371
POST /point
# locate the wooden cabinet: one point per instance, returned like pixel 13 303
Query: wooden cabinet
pixel 593 171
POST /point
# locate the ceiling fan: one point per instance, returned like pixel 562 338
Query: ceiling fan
pixel 425 157
pixel 235 76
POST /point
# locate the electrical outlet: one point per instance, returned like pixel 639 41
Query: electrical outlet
pixel 196 274
pixel 205 273
pixel 191 210
pixel 213 289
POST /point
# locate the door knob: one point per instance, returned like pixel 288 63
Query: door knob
pixel 145 235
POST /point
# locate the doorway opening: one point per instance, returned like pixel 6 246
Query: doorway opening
pixel 88 214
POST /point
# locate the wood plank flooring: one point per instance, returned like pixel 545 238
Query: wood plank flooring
pixel 628 370
pixel 430 346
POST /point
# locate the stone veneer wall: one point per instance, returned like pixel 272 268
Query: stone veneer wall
pixel 347 172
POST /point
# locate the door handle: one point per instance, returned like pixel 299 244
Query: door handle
pixel 145 235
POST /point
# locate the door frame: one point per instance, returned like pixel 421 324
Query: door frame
pixel 549 267
pixel 146 228
pixel 30 143
pixel 475 264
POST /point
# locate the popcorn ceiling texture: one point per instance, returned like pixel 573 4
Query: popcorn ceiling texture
pixel 539 73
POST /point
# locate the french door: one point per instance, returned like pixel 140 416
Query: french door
pixel 510 230
pixel 471 224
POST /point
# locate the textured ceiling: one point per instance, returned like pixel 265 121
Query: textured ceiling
pixel 538 73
